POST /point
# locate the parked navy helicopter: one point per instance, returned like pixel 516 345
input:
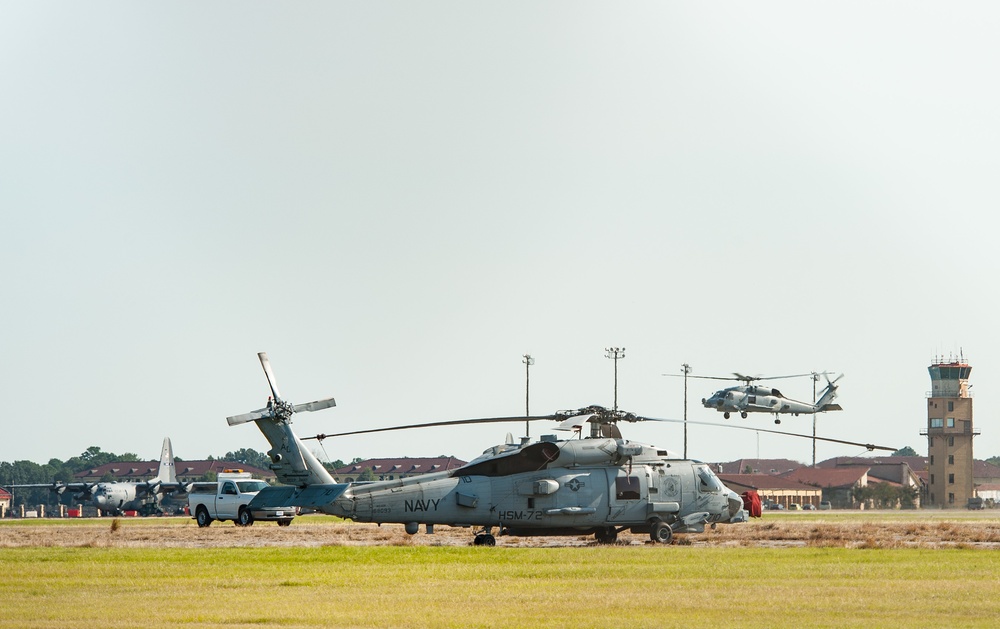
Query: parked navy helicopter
pixel 755 398
pixel 602 485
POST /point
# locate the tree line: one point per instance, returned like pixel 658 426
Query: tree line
pixel 57 471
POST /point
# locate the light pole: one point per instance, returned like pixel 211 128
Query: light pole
pixel 614 353
pixel 686 369
pixel 815 379
pixel 528 362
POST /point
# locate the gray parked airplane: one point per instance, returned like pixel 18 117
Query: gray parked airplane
pixel 118 496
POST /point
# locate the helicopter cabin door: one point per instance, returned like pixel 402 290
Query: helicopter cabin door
pixel 629 494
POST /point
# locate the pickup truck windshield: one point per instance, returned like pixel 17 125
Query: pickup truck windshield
pixel 250 486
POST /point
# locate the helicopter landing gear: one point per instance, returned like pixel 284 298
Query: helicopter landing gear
pixel 726 415
pixel 743 414
pixel 607 535
pixel 485 537
pixel 777 421
pixel 661 533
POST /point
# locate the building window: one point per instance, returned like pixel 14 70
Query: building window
pixel 951 442
pixel 951 459
pixel 932 479
pixel 932 459
pixel 937 422
pixel 951 422
pixel 951 406
pixel 951 498
pixel 930 442
pixel 951 479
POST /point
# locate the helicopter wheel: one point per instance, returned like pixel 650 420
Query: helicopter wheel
pixel 743 414
pixel 661 533
pixel 607 535
pixel 777 421
pixel 484 539
pixel 725 415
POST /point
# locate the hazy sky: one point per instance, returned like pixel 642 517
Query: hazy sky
pixel 396 200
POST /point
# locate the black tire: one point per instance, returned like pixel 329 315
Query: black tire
pixel 201 516
pixel 245 518
pixel 284 522
pixel 607 535
pixel 661 533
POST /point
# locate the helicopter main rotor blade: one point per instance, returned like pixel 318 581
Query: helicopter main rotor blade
pixel 680 375
pixel 868 446
pixel 794 375
pixel 454 422
pixel 270 375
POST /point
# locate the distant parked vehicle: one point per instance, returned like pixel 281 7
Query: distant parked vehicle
pixel 229 499
pixel 825 505
pixel 808 507
pixel 793 506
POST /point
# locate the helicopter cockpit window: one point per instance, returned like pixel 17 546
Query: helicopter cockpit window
pixel 709 483
pixel 627 488
pixel 532 458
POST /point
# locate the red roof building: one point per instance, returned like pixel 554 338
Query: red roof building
pixel 392 469
pixel 137 471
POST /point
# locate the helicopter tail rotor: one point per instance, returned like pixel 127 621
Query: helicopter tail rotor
pixel 292 463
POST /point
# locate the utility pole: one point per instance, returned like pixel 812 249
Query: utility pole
pixel 614 353
pixel 686 368
pixel 528 362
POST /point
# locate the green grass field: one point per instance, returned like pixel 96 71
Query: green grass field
pixel 400 586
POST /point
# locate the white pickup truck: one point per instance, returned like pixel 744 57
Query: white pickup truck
pixel 228 499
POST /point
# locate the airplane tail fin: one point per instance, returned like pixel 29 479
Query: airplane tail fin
pixel 167 472
pixel 291 462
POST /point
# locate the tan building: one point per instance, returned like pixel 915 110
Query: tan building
pixel 950 479
pixel 774 489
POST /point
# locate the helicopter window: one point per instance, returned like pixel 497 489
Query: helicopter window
pixel 753 399
pixel 530 459
pixel 709 481
pixel 627 488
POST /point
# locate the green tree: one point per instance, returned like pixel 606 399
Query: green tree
pixel 905 451
pixel 366 474
pixel 249 456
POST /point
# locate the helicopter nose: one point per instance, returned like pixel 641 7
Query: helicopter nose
pixel 735 504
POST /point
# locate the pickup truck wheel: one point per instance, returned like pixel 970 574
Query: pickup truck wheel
pixel 284 522
pixel 245 518
pixel 202 517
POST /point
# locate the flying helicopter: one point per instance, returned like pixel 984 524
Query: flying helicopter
pixel 755 398
pixel 602 484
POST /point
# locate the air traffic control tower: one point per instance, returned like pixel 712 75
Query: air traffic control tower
pixel 949 435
